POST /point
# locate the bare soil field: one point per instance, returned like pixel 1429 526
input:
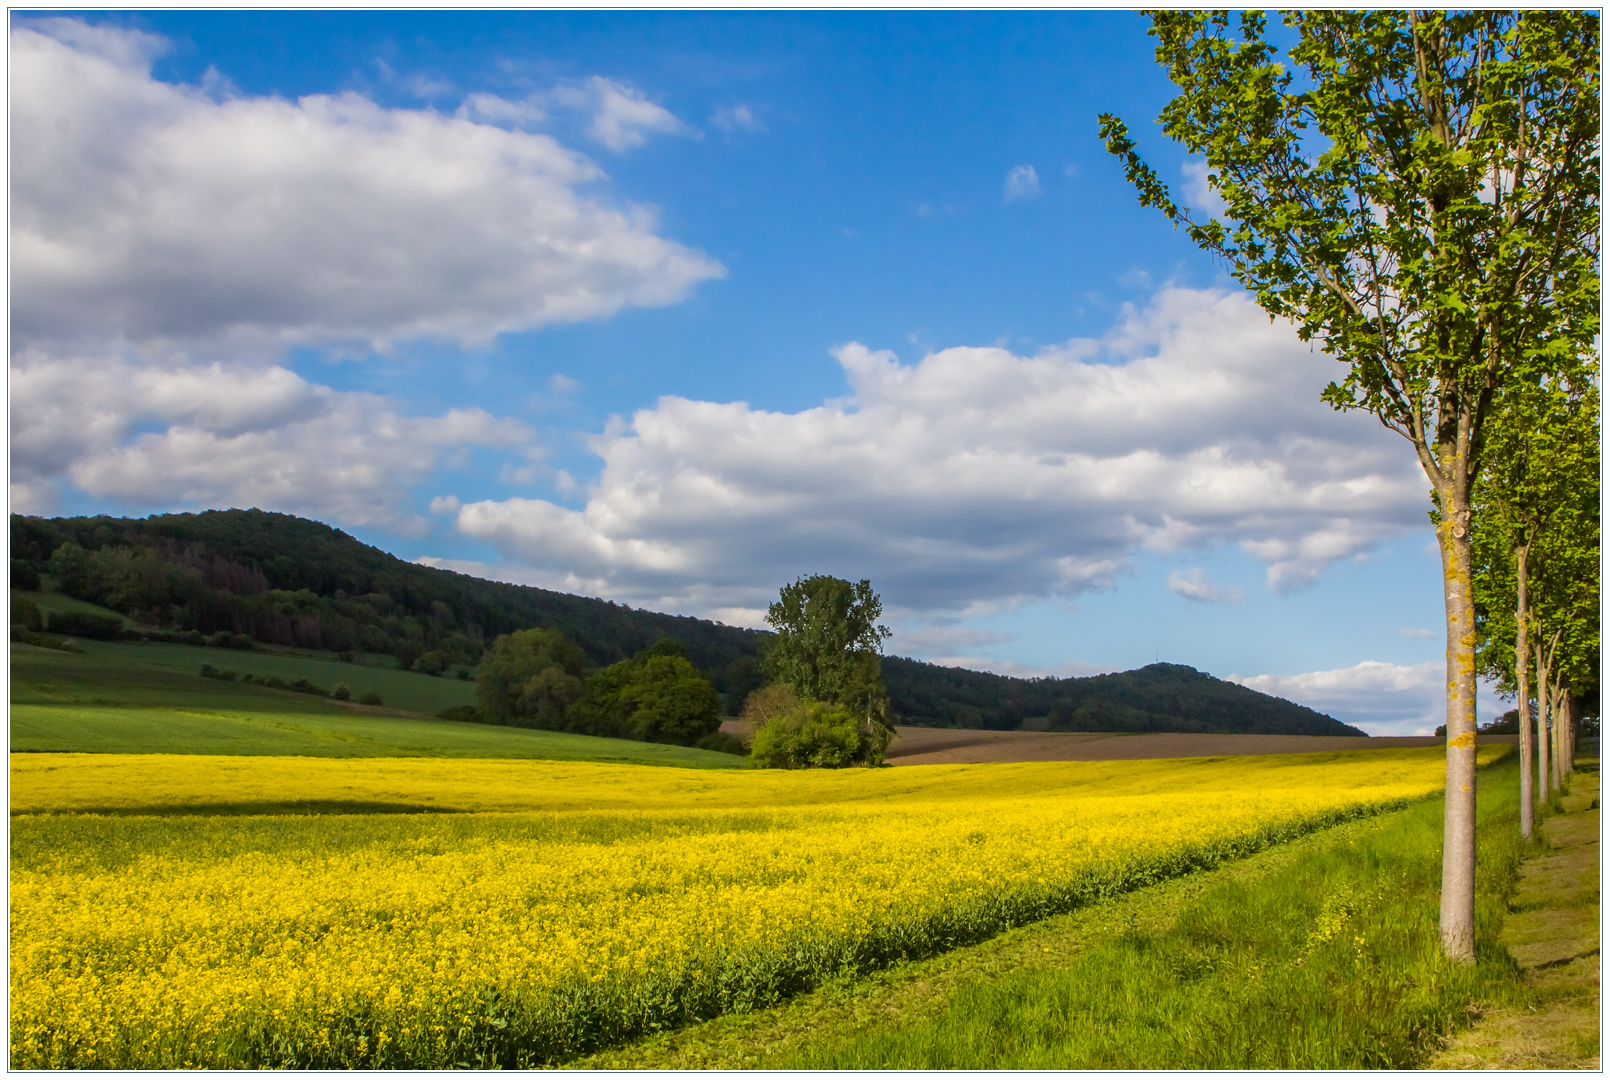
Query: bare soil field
pixel 948 746
pixel 959 746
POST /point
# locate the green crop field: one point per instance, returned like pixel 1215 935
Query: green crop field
pixel 132 698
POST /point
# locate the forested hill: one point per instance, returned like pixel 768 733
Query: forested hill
pixel 1157 697
pixel 285 580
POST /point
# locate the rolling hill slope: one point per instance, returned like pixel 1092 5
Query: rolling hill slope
pixel 289 581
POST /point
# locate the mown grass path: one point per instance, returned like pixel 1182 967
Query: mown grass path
pixel 1320 953
pixel 913 992
pixel 1552 930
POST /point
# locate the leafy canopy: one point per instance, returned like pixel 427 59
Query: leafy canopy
pixel 529 678
pixel 827 632
pixel 1538 499
pixel 657 696
pixel 1425 202
pixel 826 653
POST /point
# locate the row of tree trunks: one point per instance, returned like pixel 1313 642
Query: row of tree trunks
pixel 1556 731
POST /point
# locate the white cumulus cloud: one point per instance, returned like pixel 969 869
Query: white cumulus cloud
pixel 151 213
pixel 169 242
pixel 1194 585
pixel 226 435
pixel 1022 183
pixel 622 118
pixel 737 118
pixel 979 477
pixel 1199 192
pixel 1380 698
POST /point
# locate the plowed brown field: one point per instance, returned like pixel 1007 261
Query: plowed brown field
pixel 944 746
pixel 954 746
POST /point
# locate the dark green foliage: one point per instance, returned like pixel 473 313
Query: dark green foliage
pixel 743 679
pixel 341 692
pixel 657 696
pixel 1158 697
pixel 464 714
pixel 530 678
pixel 299 685
pixel 813 734
pixel 44 641
pixel 370 698
pixel 827 651
pixel 826 628
pixel 1508 724
pixel 25 613
pixel 86 624
pixel 24 575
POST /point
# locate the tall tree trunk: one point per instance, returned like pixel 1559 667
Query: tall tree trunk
pixel 1568 711
pixel 1562 720
pixel 1459 816
pixel 1545 775
pixel 1523 701
pixel 1575 713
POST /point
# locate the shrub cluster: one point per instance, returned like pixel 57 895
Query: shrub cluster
pixel 43 641
pixel 85 624
pixel 794 732
pixel 340 691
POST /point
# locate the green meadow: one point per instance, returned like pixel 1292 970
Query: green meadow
pixel 147 698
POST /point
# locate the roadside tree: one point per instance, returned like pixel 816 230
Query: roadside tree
pixel 1424 203
pixel 1535 514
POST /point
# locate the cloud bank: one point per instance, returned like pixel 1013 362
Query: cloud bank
pixel 977 478
pixel 169 243
pixel 152 213
pixel 1380 698
pixel 220 435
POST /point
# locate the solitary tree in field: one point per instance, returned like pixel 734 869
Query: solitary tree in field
pixel 828 638
pixel 828 647
pixel 1423 201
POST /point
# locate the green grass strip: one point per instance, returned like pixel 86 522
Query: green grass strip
pixel 1330 963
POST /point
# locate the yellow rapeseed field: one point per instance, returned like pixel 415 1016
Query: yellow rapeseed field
pixel 566 906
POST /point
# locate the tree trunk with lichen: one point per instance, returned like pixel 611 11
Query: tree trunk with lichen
pixel 1458 919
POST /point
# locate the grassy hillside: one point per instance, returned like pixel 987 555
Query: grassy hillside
pixel 128 698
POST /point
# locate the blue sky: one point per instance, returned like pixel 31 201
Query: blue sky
pixel 674 307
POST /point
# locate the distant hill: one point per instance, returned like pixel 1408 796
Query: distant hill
pixel 1157 697
pixel 290 581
